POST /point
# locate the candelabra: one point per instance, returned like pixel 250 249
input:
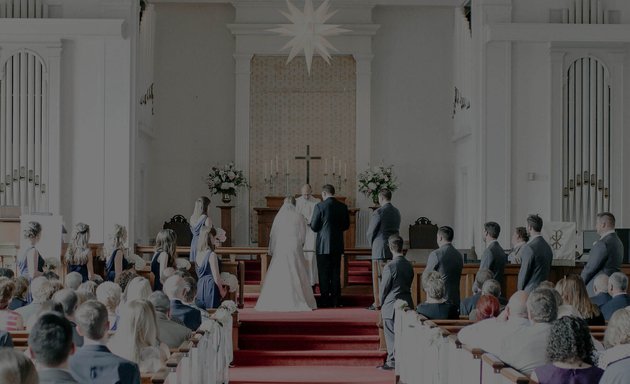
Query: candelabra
pixel 271 180
pixel 286 183
pixel 338 181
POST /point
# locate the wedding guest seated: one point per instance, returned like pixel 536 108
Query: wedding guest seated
pixel 519 238
pixel 190 296
pixel 94 363
pixel 6 340
pixel 19 295
pixel 170 332
pixel 73 280
pixel 51 275
pixel 88 287
pixel 9 320
pixel 109 294
pixel 69 302
pixel 174 288
pixel 493 288
pixel 125 278
pixel 616 359
pixel 570 354
pixel 50 345
pixel 138 289
pixel 41 291
pixel 436 307
pixel 573 292
pixel 468 304
pixel 136 337
pixel 600 286
pixel 6 272
pixel 525 349
pixel 487 307
pixel 16 368
pixel 617 286
pixel 167 272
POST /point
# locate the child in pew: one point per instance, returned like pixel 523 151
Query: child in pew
pixel 9 320
pixel 570 355
pixel 19 296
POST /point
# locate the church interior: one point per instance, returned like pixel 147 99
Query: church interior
pixel 122 113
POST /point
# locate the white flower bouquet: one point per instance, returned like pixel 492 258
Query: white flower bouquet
pixel 401 304
pixel 372 180
pixel 224 180
pixel 220 237
pixel 230 280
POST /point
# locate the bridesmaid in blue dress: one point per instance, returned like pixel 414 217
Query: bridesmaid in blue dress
pixel 116 262
pixel 210 288
pixel 164 256
pixel 199 220
pixel 29 262
pixel 79 254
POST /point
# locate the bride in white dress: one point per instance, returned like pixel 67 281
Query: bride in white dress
pixel 287 286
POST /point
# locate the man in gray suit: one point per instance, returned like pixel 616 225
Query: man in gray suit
pixel 384 222
pixel 94 363
pixel 607 253
pixel 170 332
pixel 493 257
pixel 536 257
pixel 397 279
pixel 449 262
pixel 50 344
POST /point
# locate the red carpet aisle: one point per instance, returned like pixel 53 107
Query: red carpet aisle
pixel 323 346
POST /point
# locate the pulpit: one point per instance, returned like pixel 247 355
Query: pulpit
pixel 267 214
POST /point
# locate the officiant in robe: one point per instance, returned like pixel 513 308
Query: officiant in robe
pixel 305 205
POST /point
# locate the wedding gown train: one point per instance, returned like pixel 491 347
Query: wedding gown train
pixel 287 284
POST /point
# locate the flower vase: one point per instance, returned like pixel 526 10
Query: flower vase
pixel 226 198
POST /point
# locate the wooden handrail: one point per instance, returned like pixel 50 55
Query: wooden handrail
pixel 186 346
pixel 160 376
pixel 493 361
pixel 174 361
pixel 514 376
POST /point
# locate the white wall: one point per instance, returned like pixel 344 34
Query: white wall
pixel 194 106
pixel 412 96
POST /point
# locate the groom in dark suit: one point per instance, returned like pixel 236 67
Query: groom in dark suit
pixel 330 220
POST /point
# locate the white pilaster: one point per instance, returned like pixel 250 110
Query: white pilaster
pixel 363 117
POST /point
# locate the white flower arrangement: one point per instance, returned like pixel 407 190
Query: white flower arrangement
pixel 221 236
pixel 229 305
pixel 230 280
pixel 372 180
pixel 225 180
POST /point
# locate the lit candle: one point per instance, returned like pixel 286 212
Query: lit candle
pixel 287 167
pixel 264 170
pixel 326 165
pixel 277 168
pixel 333 166
pixel 271 167
pixel 345 170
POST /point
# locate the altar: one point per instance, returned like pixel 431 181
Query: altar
pixel 267 214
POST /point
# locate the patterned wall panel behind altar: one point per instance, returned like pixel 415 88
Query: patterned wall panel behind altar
pixel 290 110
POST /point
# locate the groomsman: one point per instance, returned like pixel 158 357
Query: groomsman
pixel 536 257
pixel 330 220
pixel 384 222
pixel 607 253
pixel 449 262
pixel 493 257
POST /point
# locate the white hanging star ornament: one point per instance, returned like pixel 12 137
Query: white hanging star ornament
pixel 309 31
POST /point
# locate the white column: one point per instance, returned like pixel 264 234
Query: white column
pixel 556 133
pixel 53 188
pixel 363 117
pixel 240 224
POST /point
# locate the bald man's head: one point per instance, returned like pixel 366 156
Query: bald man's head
pixel 517 306
pixel 601 283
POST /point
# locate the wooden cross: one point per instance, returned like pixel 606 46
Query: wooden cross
pixel 308 159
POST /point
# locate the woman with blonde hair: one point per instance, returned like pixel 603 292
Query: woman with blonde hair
pixel 79 254
pixel 138 289
pixel 210 288
pixel 199 220
pixel 116 262
pixel 16 368
pixel 110 294
pixel 164 256
pixel 30 263
pixel 573 292
pixel 136 338
pixel 616 359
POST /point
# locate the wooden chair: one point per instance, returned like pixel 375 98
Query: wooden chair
pixel 181 227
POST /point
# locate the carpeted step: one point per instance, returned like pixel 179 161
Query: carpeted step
pixel 310 375
pixel 308 342
pixel 273 327
pixel 347 300
pixel 308 357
